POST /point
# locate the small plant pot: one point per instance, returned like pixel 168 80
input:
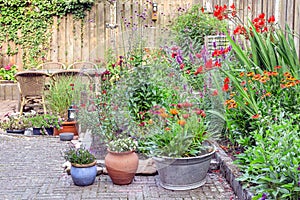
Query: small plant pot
pixel 84 175
pixel 39 131
pixel 15 131
pixel 70 127
pixel 67 136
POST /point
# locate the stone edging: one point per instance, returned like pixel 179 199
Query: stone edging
pixel 230 172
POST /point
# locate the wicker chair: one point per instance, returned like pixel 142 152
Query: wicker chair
pixel 82 65
pixel 67 72
pixel 31 85
pixel 52 65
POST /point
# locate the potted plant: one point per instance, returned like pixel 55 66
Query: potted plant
pixel 121 160
pixel 178 140
pixel 83 166
pixel 62 94
pixel 14 123
pixel 7 73
pixel 45 123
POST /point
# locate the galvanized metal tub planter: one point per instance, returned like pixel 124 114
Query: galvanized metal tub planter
pixel 183 173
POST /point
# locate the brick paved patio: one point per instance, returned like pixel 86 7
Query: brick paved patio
pixel 31 168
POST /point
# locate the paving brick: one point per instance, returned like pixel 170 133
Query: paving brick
pixel 30 168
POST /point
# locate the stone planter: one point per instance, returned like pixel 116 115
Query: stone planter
pixel 183 173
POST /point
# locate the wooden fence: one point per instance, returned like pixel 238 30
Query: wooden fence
pixel 102 29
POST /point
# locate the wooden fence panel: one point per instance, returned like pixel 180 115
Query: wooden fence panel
pixel 89 39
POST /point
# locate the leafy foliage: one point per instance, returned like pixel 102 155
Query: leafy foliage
pixel 192 26
pixel 79 156
pixel 26 23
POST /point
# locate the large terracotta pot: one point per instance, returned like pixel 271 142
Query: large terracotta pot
pixel 121 167
pixel 71 127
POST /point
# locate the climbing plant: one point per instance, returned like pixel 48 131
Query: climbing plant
pixel 25 23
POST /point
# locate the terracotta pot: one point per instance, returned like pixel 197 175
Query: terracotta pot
pixel 71 127
pixel 121 167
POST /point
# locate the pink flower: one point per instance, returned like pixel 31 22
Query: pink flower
pixel 8 67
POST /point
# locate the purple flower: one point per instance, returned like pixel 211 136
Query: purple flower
pixel 298 168
pixel 179 59
pixel 263 197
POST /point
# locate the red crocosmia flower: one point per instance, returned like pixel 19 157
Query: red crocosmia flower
pixel 225 87
pixel 217 64
pixel 216 53
pixel 249 8
pixel 261 16
pixel 226 80
pixel 199 70
pixel 182 65
pixel 220 12
pixel 232 6
pixel 202 9
pixel 209 64
pixel 255 116
pixel 174 54
pixel 215 93
pixel 271 19
pixel 265 29
pixel 277 67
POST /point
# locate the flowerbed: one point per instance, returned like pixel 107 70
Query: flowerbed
pixel 252 84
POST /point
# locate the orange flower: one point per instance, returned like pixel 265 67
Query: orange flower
pixel 290 78
pixel 274 73
pixel 250 74
pixel 277 67
pixel 232 94
pixel 256 77
pixel 245 89
pixel 255 116
pixel 164 115
pixel 264 79
pixel 167 129
pixel 181 122
pixel 242 74
pixel 267 73
pixel 232 105
pixel 286 74
pixel 290 84
pixel 173 111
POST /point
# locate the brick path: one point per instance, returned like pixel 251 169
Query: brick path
pixel 31 168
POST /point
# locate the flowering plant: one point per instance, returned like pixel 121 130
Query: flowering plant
pixel 122 145
pixel 8 72
pixel 14 122
pixel 79 156
pixel 177 131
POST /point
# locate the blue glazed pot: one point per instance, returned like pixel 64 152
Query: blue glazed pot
pixel 83 175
